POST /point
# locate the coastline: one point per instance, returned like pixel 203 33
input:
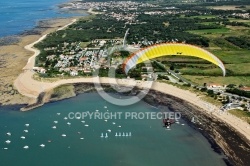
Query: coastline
pixel 36 92
pixel 13 57
pixel 223 138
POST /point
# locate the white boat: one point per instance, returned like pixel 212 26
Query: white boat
pixel 26 131
pixel 116 134
pixel 123 134
pixel 8 142
pixel 81 138
pixel 113 123
pixel 102 135
pixel 58 113
pixel 106 136
pixel 63 135
pixel 27 125
pixel 86 125
pixel 182 124
pixel 54 127
pixel 26 147
pixel 83 121
pixel 119 126
pixel 5 148
pixel 109 130
pixel 130 134
pixel 65 118
pixel 68 123
pixel 120 134
pixel 42 145
pixel 105 107
pixel 126 134
pixel 55 121
pixel 97 110
pixel 105 120
pixel 23 137
pixel 9 134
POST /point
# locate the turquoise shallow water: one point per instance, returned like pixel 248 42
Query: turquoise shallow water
pixel 149 145
pixel 17 16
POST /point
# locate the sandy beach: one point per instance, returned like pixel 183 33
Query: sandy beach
pixel 27 86
pixel 14 57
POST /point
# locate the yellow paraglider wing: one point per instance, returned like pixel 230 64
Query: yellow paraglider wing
pixel 166 49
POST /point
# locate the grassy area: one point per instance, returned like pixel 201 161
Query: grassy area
pixel 211 31
pixel 211 100
pixel 245 80
pixel 84 44
pixel 204 16
pixel 233 56
pixel 244 115
pixel 229 7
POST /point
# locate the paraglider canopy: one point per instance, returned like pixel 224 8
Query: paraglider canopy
pixel 168 49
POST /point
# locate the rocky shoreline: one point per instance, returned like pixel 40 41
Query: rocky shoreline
pixel 226 141
pixel 223 138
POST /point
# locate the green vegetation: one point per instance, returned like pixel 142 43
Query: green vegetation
pixel 244 115
pixel 225 33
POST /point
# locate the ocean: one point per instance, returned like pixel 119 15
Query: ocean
pixel 79 142
pixel 149 144
pixel 17 16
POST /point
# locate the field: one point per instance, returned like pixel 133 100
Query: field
pixel 235 59
pixel 245 80
pixel 229 7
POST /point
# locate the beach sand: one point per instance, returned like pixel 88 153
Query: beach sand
pixel 14 57
pixel 27 86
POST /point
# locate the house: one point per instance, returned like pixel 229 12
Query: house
pixel 74 73
pixel 39 70
pixel 215 86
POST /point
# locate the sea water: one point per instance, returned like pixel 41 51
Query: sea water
pixel 16 16
pixel 149 145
